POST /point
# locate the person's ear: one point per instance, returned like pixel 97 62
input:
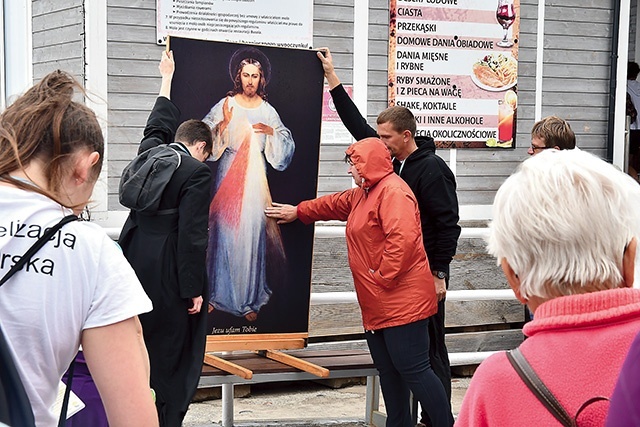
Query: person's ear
pixel 406 135
pixel 83 168
pixel 512 279
pixel 629 263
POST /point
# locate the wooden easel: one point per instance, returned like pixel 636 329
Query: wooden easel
pixel 266 345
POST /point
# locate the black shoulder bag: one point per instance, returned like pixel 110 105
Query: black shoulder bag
pixel 542 393
pixel 15 408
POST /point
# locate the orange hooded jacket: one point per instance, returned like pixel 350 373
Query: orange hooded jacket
pixel 384 240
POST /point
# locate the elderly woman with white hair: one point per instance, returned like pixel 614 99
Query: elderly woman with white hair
pixel 564 230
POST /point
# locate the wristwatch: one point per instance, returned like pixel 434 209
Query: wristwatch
pixel 439 274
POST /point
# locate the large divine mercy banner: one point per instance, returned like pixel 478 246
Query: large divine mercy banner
pixel 454 64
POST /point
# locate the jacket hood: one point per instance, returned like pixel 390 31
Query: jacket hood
pixel 426 143
pixel 371 159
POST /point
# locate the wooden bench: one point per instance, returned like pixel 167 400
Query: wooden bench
pixel 341 364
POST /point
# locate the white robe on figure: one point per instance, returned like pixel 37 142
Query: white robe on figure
pixel 240 235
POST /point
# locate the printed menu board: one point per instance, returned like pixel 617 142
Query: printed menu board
pixel 454 64
pixel 285 23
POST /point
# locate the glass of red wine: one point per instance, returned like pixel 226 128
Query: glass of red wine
pixel 505 14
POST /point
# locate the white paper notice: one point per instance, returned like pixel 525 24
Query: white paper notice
pixel 283 23
pixel 75 404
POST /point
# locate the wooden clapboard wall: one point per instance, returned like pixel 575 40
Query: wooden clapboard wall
pixel 58 37
pixel 133 81
pixel 471 325
pixel 333 28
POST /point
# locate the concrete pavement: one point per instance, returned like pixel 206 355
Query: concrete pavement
pixel 298 404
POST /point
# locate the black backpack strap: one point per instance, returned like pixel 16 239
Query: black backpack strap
pixel 539 389
pixel 36 246
pixel 67 393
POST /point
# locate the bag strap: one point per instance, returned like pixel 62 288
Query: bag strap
pixel 539 389
pixel 36 247
pixel 17 266
pixel 62 421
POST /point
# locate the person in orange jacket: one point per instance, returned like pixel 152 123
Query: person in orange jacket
pixel 391 276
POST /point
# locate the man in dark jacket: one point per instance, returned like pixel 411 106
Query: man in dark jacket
pixel 168 253
pixel 434 186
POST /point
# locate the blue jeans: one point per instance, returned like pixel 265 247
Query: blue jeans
pixel 401 355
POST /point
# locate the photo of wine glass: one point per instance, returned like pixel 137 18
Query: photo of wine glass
pixel 505 14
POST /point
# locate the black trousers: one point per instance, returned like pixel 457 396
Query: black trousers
pixel 438 355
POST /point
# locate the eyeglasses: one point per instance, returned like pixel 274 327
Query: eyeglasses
pixel 535 147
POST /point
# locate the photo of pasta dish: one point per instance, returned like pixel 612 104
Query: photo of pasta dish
pixel 495 72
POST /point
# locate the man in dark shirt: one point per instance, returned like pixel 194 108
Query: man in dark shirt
pixel 167 250
pixel 434 186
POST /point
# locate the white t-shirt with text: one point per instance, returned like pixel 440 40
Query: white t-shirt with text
pixel 78 280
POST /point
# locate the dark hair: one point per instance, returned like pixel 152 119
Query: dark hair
pixel 633 69
pixel 237 82
pixel 193 131
pixel 46 124
pixel 401 119
pixel 555 132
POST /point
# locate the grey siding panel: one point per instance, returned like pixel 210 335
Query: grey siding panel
pixel 73 66
pixel 133 81
pixel 333 28
pixel 58 37
pixel 46 7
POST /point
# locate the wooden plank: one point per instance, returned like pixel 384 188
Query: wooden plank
pixel 295 362
pixel 72 65
pixel 43 7
pixel 226 366
pixel 56 19
pixel 467 313
pixel 134 4
pixel 133 84
pixel 334 319
pixel 344 319
pixel 133 67
pixel 577 43
pixel 489 183
pixel 482 169
pixel 484 341
pixel 255 342
pixel 334 184
pixel 333 13
pixel 332 152
pixel 131 101
pixel 59 35
pixel 336 29
pixel 476 197
pixel 135 34
pixel 131 16
pixel 128 50
pixel 65 51
pixel 335 43
pixel 333 168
